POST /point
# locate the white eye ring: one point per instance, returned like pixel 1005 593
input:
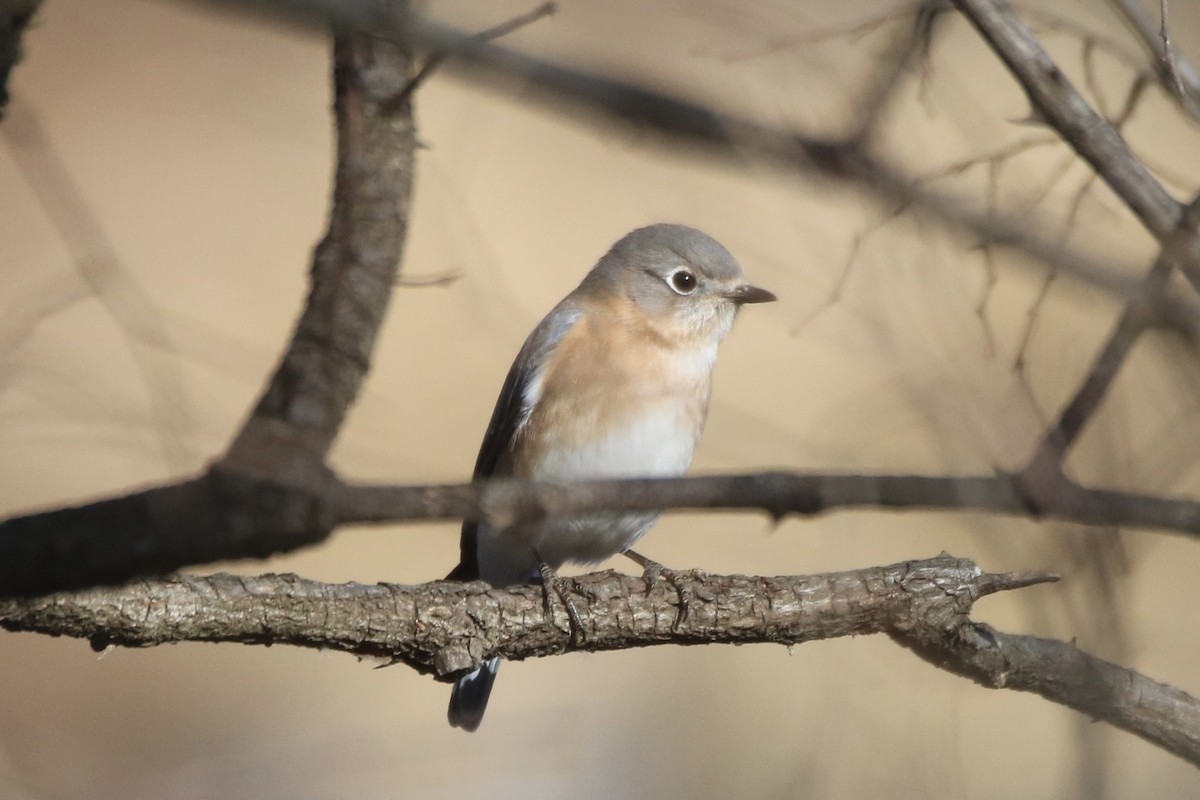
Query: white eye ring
pixel 682 281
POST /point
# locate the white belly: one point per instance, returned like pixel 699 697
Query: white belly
pixel 658 443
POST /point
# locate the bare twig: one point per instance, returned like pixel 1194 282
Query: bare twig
pixel 1057 102
pixel 94 257
pixel 1175 72
pixel 435 60
pixel 910 46
pixel 1091 393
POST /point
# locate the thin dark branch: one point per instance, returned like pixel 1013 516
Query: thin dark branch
pixel 1076 414
pixel 911 46
pixel 15 16
pixel 730 138
pixel 779 494
pixel 227 514
pixel 435 60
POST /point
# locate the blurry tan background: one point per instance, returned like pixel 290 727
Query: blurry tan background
pixel 201 143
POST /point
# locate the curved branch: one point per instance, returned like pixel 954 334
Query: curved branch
pixel 354 268
pixel 445 628
pixel 269 493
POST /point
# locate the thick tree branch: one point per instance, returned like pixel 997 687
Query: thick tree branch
pixel 446 628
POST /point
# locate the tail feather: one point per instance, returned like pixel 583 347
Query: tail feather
pixel 469 699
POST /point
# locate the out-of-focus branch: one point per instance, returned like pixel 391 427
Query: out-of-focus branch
pixel 446 628
pixel 15 16
pixel 1058 104
pixel 777 493
pixel 1054 445
pixel 354 268
pixel 1174 71
pixel 709 132
pixel 227 515
pixel 269 492
pixel 911 46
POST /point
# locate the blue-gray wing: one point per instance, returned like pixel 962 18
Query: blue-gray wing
pixel 511 412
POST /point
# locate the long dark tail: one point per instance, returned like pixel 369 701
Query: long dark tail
pixel 469 699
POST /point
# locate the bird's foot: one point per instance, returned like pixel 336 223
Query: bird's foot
pixel 653 572
pixel 551 582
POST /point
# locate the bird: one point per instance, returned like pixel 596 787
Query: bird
pixel 614 382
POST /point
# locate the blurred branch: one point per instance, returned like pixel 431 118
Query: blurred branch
pixel 15 16
pixel 227 514
pixel 447 628
pixel 1059 105
pixel 1175 72
pixel 433 61
pixel 265 494
pixel 354 267
pixel 912 45
pixel 1075 415
pixel 141 321
pixel 726 137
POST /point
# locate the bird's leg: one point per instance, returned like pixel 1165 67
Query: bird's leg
pixel 652 572
pixel 551 582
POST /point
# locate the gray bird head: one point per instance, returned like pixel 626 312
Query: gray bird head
pixel 682 279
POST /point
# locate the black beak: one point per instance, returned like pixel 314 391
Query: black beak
pixel 750 294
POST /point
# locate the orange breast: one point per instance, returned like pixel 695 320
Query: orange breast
pixel 616 391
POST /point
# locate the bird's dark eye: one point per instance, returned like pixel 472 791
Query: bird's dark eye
pixel 682 281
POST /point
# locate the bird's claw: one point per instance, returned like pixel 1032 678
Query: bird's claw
pixel 552 582
pixel 653 572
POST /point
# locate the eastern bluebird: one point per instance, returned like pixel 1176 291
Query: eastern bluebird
pixel 614 382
